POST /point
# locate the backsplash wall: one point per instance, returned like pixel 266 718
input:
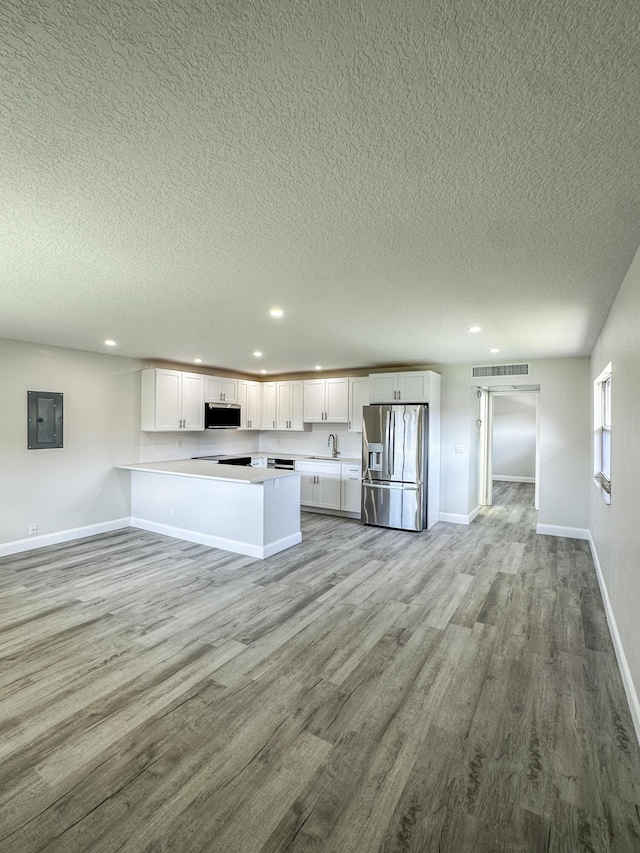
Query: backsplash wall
pixel 162 446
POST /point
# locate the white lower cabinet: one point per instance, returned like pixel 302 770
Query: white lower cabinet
pixel 329 485
pixel 351 487
pixel 319 484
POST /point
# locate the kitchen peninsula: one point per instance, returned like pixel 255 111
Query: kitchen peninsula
pixel 252 511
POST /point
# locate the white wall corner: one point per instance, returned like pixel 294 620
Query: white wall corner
pixel 566 532
pixel 623 666
pixel 459 518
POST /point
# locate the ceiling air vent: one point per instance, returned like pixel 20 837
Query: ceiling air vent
pixel 500 370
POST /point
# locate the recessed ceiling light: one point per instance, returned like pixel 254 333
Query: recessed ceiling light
pixel 494 349
pixel 318 367
pixel 276 312
pixel 197 361
pixel 258 354
pixel 474 329
pixel 109 343
pixel 263 371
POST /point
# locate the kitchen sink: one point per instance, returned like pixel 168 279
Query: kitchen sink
pixel 327 458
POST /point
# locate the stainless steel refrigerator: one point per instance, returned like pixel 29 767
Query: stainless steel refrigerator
pixel 394 466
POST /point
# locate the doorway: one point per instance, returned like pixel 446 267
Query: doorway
pixel 509 437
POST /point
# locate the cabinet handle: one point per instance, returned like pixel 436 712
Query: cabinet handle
pixel 274 424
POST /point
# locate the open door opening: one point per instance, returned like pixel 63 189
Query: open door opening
pixel 509 444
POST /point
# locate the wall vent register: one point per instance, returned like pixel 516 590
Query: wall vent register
pixel 500 370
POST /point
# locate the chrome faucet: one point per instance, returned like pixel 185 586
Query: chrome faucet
pixel 334 451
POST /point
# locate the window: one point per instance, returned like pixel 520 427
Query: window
pixel 602 432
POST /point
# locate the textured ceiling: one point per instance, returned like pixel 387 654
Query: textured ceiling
pixel 388 173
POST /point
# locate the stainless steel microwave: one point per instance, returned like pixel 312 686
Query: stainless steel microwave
pixel 222 415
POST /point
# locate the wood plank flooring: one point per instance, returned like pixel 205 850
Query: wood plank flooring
pixel 368 690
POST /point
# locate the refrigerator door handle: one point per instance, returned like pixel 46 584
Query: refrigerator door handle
pixel 392 441
pixel 389 459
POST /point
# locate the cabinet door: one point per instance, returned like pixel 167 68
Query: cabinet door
pixel 253 405
pixel 383 387
pixel 337 400
pixel 351 482
pixel 313 400
pixel 213 389
pixel 413 386
pixel 283 405
pixel 358 398
pixel 327 491
pixel 295 400
pixel 308 489
pixel 193 401
pixel 269 405
pixel 350 496
pixel 169 400
pixel 243 400
pixel 229 390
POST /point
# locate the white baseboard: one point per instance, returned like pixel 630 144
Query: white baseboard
pixel 507 479
pixel 258 551
pixel 20 545
pixel 623 666
pixel 459 518
pixel 566 532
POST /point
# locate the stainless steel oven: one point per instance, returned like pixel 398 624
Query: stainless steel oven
pixel 278 462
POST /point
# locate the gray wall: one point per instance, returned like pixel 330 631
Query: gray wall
pixel 615 529
pixel 514 436
pixel 564 412
pixel 75 485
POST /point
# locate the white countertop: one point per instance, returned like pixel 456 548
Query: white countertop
pixel 210 471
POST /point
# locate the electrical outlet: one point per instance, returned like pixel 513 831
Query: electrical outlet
pixel 173 513
pixel 33 529
pixel 459 448
pixel 179 442
pixel 276 484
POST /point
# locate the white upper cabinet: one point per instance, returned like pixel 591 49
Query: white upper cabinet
pixel 411 386
pixel 220 389
pixel 326 400
pixel 358 398
pixel 172 400
pixel 268 405
pixel 249 399
pixel 289 405
pixel 383 387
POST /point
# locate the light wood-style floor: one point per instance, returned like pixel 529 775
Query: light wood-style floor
pixel 369 690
